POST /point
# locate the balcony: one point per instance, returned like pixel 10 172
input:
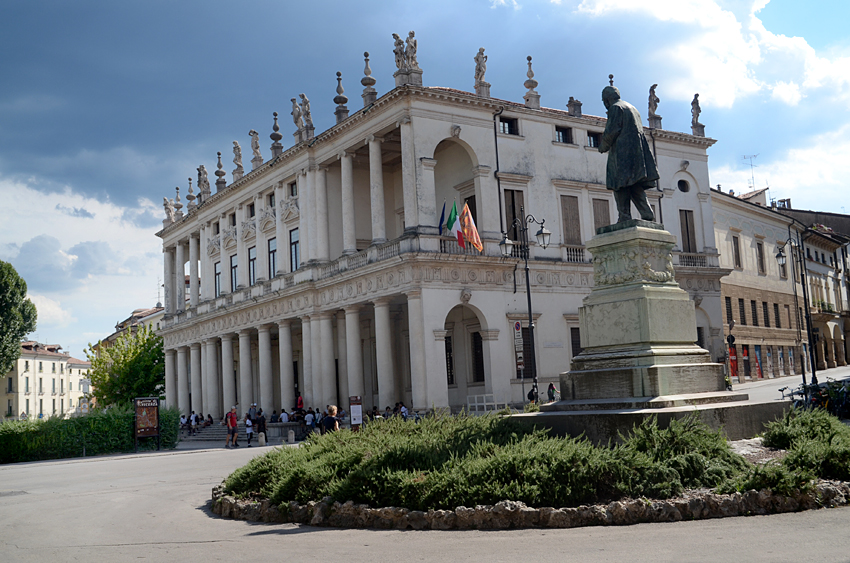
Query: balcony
pixel 696 260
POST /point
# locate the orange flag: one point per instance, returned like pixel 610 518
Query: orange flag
pixel 467 225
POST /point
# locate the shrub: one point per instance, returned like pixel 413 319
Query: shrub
pixel 817 443
pixel 100 432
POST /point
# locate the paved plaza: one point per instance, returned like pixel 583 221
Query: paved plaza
pixel 153 506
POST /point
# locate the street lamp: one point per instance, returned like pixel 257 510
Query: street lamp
pixel 506 246
pixel 782 260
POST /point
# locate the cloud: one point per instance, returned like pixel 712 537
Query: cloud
pixel 74 211
pixel 499 3
pixel 50 312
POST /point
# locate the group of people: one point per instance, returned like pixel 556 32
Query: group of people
pixel 398 410
pixel 255 421
pixel 194 422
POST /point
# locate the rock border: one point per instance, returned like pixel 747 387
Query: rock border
pixel 695 505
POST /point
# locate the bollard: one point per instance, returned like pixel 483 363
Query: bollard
pixel 261 439
pixel 290 437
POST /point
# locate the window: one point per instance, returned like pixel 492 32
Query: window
pixel 294 250
pixel 601 214
pixel 564 135
pixel 53 368
pixel 9 387
pixel 53 410
pixel 53 386
pixel 728 310
pixel 575 340
pixel 61 405
pixel 293 189
pixel 776 316
pixel 683 186
pixel 252 265
pixel 508 126
pixel 765 315
pixel 809 253
pixel 450 362
pixel 40 367
pixel 40 385
pixel 216 228
pixel 234 270
pixel 26 365
pixel 689 239
pixel 62 386
pixel 61 368
pixel 700 337
pixel 473 209
pixel 742 312
pixel 513 210
pixel 477 358
pixel 787 315
pixel 70 385
pixel 594 139
pixel 755 311
pixel 760 256
pixel 26 385
pixel 233 219
pixel 270 200
pixel 572 219
pixel 736 253
pixel 272 257
pixel 217 279
pixel 28 407
pixel 251 210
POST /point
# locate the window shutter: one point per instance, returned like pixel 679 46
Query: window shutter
pixel 572 220
pixel 601 213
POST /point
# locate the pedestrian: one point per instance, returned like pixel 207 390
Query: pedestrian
pixel 252 412
pixel 249 428
pixel 274 417
pixel 388 413
pixel 193 422
pixel 261 425
pixel 182 424
pixel 231 422
pixel 403 410
pixel 284 417
pixel 310 419
pixel 330 423
pixel 551 392
pixel 299 402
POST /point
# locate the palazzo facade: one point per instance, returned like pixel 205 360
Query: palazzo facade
pixel 323 272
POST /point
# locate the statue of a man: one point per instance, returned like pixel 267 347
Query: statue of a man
pixel 169 208
pixel 203 180
pixel 410 52
pixel 305 111
pixel 653 100
pixel 398 51
pixel 296 115
pixel 480 65
pixel 255 143
pixel 237 157
pixel 695 111
pixel 631 167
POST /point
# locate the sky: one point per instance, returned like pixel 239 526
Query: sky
pixel 106 106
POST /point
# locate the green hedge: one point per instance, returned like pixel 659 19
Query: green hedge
pixel 100 432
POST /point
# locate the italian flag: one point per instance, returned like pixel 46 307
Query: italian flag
pixel 453 226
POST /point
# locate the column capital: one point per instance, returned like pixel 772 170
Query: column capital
pixel 244 332
pixel 440 335
pixel 428 163
pixel 345 153
pixel 227 337
pixel 170 352
pixel 373 138
pixel 305 318
pixel 352 309
pixel 381 301
pixel 195 345
pixel 211 340
pixel 285 323
pixel 265 327
pixel 414 294
pixel 481 171
pixel 195 234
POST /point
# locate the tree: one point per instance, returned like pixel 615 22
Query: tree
pixel 17 316
pixel 134 366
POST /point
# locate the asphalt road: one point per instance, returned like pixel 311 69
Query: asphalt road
pixel 154 507
pixel 764 390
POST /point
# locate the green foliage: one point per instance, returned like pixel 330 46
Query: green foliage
pixel 17 315
pixel 134 366
pixel 531 407
pixel 774 476
pixel 817 443
pixel 445 462
pixel 100 432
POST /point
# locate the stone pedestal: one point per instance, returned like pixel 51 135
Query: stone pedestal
pixel 309 132
pixel 412 76
pixel 655 122
pixel 532 100
pixel 698 130
pixel 256 162
pixel 482 89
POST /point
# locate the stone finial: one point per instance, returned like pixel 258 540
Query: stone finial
pixel 369 93
pixel 190 197
pixel 610 80
pixel 532 98
pixel 239 171
pixel 220 182
pixel 697 128
pixel 178 207
pixel 574 107
pixel 340 100
pixel 277 147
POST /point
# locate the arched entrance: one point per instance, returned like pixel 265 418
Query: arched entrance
pixel 467 355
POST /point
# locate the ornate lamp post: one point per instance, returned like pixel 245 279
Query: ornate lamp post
pixel 543 235
pixel 781 260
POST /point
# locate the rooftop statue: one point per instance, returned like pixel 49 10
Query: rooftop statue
pixel 305 110
pixel 695 111
pixel 410 53
pixel 480 65
pixel 255 143
pixel 631 167
pixel 296 115
pixel 653 100
pixel 398 51
pixel 168 204
pixel 237 157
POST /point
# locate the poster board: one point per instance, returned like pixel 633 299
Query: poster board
pixel 146 419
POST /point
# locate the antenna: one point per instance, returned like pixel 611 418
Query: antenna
pixel 158 287
pixel 750 157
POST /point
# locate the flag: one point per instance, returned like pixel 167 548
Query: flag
pixel 453 226
pixel 469 230
pixel 442 217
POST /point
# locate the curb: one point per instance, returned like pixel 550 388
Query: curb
pixel 508 514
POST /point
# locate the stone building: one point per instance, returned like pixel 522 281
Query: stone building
pixel 44 382
pixel 323 271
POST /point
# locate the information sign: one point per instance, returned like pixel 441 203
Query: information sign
pixel 356 405
pixel 146 419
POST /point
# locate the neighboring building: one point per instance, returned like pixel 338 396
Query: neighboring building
pixel 759 295
pixel 45 382
pixel 151 316
pixel 323 271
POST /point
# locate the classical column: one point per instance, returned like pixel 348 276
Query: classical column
pixel 261 241
pixel 322 243
pixel 342 361
pixel 203 259
pixel 170 383
pixel 246 384
pixel 416 330
pixel 280 232
pixel 287 374
pixel 182 382
pixel 193 270
pixel 241 249
pixel 302 182
pixel 228 382
pixel 307 361
pixel 326 332
pixel 211 380
pixel 384 353
pixel 427 190
pixel 349 240
pixel 354 352
pixel 205 399
pixel 408 175
pixel 316 361
pixel 266 399
pixel 179 279
pixel 376 190
pixel 195 372
pixel 168 283
pixel 309 212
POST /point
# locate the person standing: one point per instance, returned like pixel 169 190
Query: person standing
pixel 261 426
pixel 252 412
pixel 232 428
pixel 330 423
pixel 403 410
pixel 284 417
pixel 249 429
pixel 551 392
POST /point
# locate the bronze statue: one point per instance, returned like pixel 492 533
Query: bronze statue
pixel 631 166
